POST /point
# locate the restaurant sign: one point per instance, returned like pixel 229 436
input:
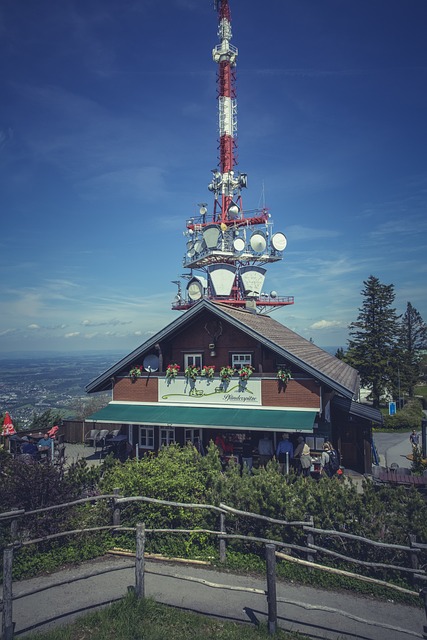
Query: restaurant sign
pixel 202 391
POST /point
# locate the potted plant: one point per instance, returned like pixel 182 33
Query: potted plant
pixel 191 372
pixel 245 372
pixel 135 372
pixel 226 373
pixel 172 370
pixel 283 376
pixel 208 371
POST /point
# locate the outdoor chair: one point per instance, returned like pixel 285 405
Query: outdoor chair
pixel 91 436
pixel 100 439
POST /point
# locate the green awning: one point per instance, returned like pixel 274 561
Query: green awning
pixel 206 417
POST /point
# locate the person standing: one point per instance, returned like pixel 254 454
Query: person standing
pixel 302 454
pixel 325 459
pixel 414 439
pixel 265 450
pixel 285 448
pixel 247 451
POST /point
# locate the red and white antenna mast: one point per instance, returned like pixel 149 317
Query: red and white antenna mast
pixel 229 245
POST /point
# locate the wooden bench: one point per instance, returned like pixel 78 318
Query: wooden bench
pixel 401 479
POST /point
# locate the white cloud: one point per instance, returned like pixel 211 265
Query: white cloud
pixel 326 324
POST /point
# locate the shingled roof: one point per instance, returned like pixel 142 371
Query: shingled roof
pixel 285 343
pixel 296 348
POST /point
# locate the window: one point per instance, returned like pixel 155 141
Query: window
pixel 192 435
pixel 195 437
pixel 167 436
pixel 239 360
pixel 146 437
pixel 192 360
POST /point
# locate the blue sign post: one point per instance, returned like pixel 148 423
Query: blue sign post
pixel 391 408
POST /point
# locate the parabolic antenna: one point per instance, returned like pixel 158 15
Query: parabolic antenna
pixel 196 288
pixel 279 241
pixel 233 211
pixel 222 278
pixel 151 362
pixel 211 235
pixel 258 241
pixel 198 246
pixel 191 253
pixel 238 244
pixel 253 280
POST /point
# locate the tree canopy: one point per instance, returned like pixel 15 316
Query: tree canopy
pixel 385 348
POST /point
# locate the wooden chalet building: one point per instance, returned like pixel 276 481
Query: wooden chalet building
pixel 153 410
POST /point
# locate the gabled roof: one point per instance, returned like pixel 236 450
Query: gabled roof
pixel 272 334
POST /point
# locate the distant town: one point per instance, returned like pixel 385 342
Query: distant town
pixel 33 384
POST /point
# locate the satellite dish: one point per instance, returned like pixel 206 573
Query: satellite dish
pixel 233 211
pixel 203 210
pixel 253 280
pixel 238 244
pixel 279 241
pixel 196 288
pixel 273 294
pixel 151 362
pixel 222 277
pixel 211 235
pixel 258 241
pixel 198 246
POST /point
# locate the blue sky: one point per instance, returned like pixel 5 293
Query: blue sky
pixel 108 134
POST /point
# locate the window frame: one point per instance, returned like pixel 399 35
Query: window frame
pixel 168 431
pixel 148 436
pixel 196 360
pixel 246 360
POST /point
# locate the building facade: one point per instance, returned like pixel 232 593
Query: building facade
pixel 155 403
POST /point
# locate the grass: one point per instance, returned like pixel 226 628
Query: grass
pixel 132 619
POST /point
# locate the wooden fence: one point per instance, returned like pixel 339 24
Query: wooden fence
pixel 273 549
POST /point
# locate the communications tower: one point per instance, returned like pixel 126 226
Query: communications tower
pixel 228 246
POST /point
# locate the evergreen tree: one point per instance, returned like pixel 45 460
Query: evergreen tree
pixel 45 421
pixel 373 338
pixel 412 340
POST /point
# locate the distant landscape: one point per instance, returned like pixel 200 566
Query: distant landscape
pixel 31 383
pixel 35 383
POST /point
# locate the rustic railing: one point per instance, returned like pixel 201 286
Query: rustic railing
pixel 273 549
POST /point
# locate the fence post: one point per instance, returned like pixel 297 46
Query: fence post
pixel 413 556
pixel 139 560
pixel 222 542
pixel 8 625
pixel 270 555
pixel 116 509
pixel 14 528
pixel 310 539
pixel 423 595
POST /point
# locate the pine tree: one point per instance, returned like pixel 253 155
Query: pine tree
pixel 373 338
pixel 412 340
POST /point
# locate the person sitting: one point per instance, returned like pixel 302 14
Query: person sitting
pixel 45 445
pixel 29 447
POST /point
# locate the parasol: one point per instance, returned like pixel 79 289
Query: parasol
pixel 52 432
pixel 8 428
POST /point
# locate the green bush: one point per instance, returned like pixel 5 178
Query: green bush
pixel 407 418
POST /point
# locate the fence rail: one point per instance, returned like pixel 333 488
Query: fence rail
pixel 271 553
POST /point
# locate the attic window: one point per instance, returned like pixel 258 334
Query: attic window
pixel 239 360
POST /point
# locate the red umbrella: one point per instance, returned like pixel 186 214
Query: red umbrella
pixel 52 432
pixel 8 428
